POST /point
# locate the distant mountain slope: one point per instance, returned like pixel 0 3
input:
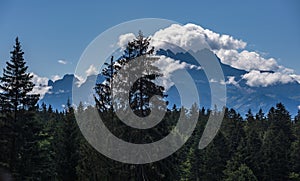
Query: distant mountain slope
pixel 240 96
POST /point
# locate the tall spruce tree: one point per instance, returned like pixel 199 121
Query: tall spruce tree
pixel 16 84
pixel 19 110
pixel 17 104
pixel 68 146
pixel 276 145
pixel 144 88
pixel 136 57
pixel 295 149
pixel 103 90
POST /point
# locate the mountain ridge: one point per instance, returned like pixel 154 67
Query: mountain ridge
pixel 240 96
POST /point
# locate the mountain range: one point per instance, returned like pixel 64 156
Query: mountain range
pixel 240 95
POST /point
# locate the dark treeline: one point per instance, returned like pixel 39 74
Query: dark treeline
pixel 39 143
pixel 50 146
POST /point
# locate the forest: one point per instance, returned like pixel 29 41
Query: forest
pixel 40 143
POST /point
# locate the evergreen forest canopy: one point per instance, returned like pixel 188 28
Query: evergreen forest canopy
pixel 39 143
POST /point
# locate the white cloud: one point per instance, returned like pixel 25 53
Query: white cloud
pixel 230 50
pixel 246 60
pixel 55 77
pixel 81 80
pixel 194 37
pixel 62 62
pixel 231 80
pixel 296 77
pixel 41 85
pixel 256 78
pixel 168 66
pixel 299 107
pixel 218 41
pixel 181 36
pixel 213 81
pixel 92 70
pixel 124 39
pixel 256 65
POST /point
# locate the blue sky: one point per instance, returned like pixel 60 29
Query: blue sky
pixel 53 30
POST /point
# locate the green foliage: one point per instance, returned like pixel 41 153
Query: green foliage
pixel 51 147
pixel 276 145
pixel 242 173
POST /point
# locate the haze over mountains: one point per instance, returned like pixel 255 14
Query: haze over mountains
pixel 252 81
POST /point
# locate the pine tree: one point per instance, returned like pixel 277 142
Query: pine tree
pixel 18 104
pixel 251 151
pixel 249 117
pixel 277 144
pixel 280 119
pixel 103 92
pixel 242 173
pixel 275 156
pixel 297 117
pixel 261 122
pixel 295 149
pixel 92 165
pixel 295 157
pixel 68 155
pixel 215 157
pixel 232 127
pixel 137 58
pixel 16 84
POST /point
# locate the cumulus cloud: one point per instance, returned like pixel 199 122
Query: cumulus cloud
pixel 92 70
pixel 62 62
pixel 181 36
pixel 256 64
pixel 230 50
pixel 256 78
pixel 299 107
pixel 124 39
pixel 167 67
pixel 218 41
pixel 194 37
pixel 231 80
pixel 246 60
pixel 41 85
